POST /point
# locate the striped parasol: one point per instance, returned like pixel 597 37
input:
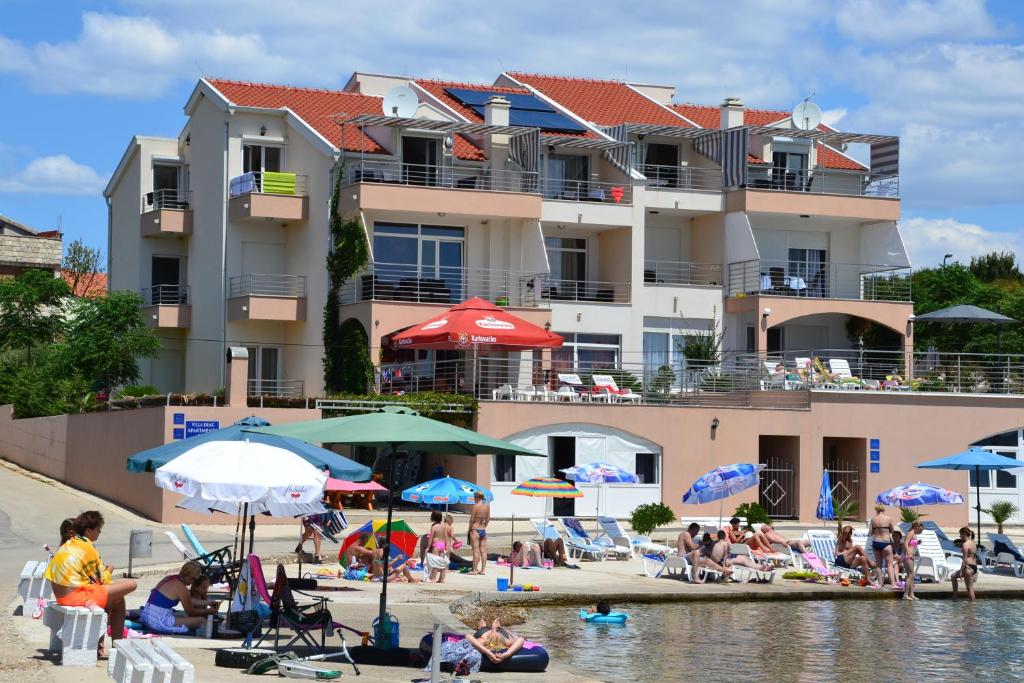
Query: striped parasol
pixel 541 487
pixel 547 487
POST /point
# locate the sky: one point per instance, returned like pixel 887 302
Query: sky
pixel 78 79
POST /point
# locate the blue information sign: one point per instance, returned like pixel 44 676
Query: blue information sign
pixel 196 427
pixel 179 433
pixel 179 418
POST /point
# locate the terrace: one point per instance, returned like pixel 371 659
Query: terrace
pixel 819 280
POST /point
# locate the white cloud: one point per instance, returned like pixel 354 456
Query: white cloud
pixel 886 21
pixel 832 117
pixel 57 175
pixel 928 239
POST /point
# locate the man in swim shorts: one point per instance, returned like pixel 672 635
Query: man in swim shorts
pixel 479 518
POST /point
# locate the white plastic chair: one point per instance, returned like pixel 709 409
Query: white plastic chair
pixel 638 544
pixel 503 392
pixel 527 393
pixel 566 393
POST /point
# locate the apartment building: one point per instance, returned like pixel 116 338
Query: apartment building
pixel 22 248
pixel 603 209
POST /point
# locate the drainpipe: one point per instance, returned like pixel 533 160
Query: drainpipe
pixel 110 229
pixel 224 255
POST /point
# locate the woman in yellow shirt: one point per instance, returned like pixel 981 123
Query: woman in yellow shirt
pixel 80 578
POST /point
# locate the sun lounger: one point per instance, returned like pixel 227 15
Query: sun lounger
pixel 575 549
pixel 1004 552
pixel 216 563
pixel 817 565
pixel 954 556
pixel 577 534
pixel 676 566
pixel 931 560
pixel 638 544
pixel 840 369
pixel 823 543
pixel 573 383
pixel 606 383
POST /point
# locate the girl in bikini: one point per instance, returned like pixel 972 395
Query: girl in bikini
pixel 437 542
pixel 969 570
pixel 910 553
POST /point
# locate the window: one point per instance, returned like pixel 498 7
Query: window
pixel 789 170
pixel 259 158
pixel 1008 444
pixel 566 176
pixel 504 468
pixel 263 369
pixel 166 184
pixel 659 163
pixel 418 262
pixel 165 281
pixel 1005 480
pixel 568 259
pixel 647 468
pixel 586 351
pixel 419 160
pixel 811 269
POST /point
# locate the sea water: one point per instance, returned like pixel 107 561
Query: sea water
pixel 847 640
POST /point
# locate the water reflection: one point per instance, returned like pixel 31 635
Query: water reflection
pixel 799 641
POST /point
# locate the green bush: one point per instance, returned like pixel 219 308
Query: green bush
pixel 136 390
pixel 754 513
pixel 649 516
pixel 663 381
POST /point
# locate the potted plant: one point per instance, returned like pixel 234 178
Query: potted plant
pixel 1001 512
pixel 649 516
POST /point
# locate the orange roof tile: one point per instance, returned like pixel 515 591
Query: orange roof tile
pixel 89 285
pixel 604 102
pixel 709 117
pixel 315 106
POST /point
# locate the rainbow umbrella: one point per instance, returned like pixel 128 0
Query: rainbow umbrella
pixel 374 533
pixel 541 487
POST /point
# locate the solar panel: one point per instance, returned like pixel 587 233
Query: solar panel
pixel 524 110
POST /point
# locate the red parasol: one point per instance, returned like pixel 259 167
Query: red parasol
pixel 474 324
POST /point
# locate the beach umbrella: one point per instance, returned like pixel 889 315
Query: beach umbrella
pixel 395 428
pixel 150 460
pixel 975 460
pixel 541 487
pixel 242 473
pixel 825 510
pixel 722 482
pixel 476 323
pixel 377 533
pixel 446 491
pixel 913 495
pixel 599 473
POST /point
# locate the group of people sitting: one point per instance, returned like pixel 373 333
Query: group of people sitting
pixel 713 552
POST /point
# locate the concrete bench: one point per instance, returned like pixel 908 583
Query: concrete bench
pixel 32 587
pixel 148 661
pixel 75 632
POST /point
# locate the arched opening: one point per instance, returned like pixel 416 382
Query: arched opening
pixel 571 444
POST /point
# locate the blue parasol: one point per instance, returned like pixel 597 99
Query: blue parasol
pixel 444 491
pixel 912 495
pixel 722 482
pixel 825 510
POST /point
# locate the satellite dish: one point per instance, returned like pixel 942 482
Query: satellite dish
pixel 806 115
pixel 400 101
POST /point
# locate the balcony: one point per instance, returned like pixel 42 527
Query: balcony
pixel 456 190
pixel 682 273
pixel 272 297
pixel 584 291
pixel 819 280
pixel 682 178
pixel 167 306
pixel 447 285
pixel 572 190
pixel 822 181
pixel 268 196
pixel 166 213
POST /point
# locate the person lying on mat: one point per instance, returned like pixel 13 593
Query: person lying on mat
pixel 495 643
pixel 158 612
pixel 80 579
pixel 774 536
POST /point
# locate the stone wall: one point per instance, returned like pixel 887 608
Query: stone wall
pixel 42 252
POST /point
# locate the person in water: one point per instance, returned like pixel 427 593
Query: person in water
pixel 910 554
pixel 479 518
pixel 158 613
pixel 968 571
pixel 881 526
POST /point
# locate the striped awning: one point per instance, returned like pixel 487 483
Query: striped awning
pixel 463 127
pixel 618 156
pixel 581 142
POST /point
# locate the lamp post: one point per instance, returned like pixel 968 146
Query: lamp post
pixel 947 256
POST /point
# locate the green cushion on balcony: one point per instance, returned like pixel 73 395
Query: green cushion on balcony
pixel 278 183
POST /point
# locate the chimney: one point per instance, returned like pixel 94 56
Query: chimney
pixel 731 113
pixel 496 111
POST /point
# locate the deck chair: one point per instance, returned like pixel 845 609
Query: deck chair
pixel 675 566
pixel 574 382
pixel 931 560
pixel 218 563
pixel 637 544
pixel 576 549
pixel 577 534
pixel 840 367
pixel 308 621
pixel 1004 552
pixel 823 542
pixel 950 549
pixel 186 554
pixel 607 382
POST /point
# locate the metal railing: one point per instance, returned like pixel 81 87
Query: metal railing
pixel 165 295
pixel 682 178
pixel 820 280
pixel 266 284
pixel 887 370
pixel 284 388
pixel 452 177
pixel 821 181
pixel 522 378
pixel 681 273
pixel 180 200
pixel 443 285
pixel 277 183
pixel 589 291
pixel 578 190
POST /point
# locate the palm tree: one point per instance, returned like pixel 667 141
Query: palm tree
pixel 1000 512
pixel 910 515
pixel 843 511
